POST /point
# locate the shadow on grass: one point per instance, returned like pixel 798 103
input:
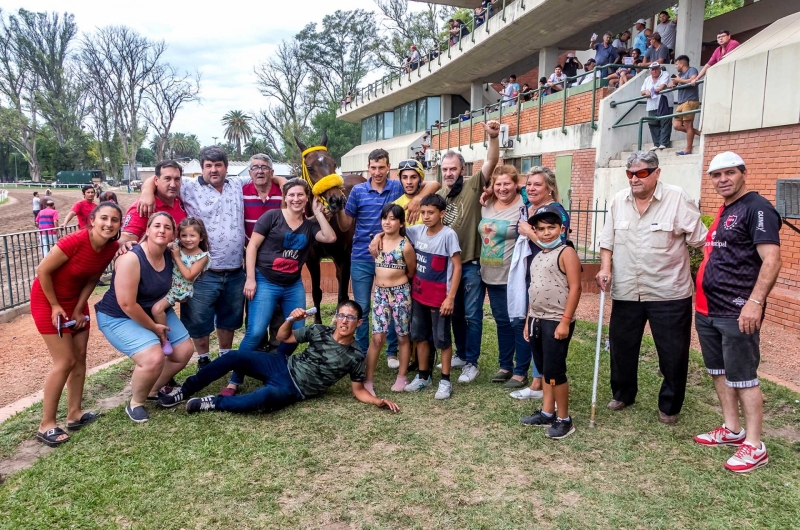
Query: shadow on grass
pixel 465 462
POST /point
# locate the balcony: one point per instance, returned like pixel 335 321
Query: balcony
pixel 507 43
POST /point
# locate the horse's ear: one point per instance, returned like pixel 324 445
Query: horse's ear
pixel 324 140
pixel 300 144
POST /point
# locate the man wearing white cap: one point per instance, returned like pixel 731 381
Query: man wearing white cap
pixel 741 262
pixel 658 104
pixel 641 39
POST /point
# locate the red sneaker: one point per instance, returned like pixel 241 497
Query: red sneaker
pixel 747 458
pixel 720 436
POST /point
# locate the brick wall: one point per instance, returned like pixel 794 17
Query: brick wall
pixel 583 165
pixel 769 154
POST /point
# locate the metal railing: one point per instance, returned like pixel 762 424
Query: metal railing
pixel 20 254
pixel 641 100
pixel 585 223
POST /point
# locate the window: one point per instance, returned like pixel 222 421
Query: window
pixel 369 132
pixel 526 163
pixel 468 169
pixel 405 119
pixel 434 111
pixel 388 125
pixel 422 114
pixel 379 127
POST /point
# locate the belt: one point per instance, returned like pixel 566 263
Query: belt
pixel 223 271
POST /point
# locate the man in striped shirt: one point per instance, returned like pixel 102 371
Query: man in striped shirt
pixel 47 218
pixel 261 195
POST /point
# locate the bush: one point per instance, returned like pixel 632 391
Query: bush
pixel 695 253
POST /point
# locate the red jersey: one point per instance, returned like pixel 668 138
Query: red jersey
pixel 83 209
pixel 136 224
pixel 255 207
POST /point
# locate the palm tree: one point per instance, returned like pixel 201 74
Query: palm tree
pixel 192 146
pixel 255 145
pixel 237 129
pixel 178 144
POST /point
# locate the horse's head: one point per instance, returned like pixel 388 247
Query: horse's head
pixel 321 164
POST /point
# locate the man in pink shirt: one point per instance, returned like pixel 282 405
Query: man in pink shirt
pixel 726 46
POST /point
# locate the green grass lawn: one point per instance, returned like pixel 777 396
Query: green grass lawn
pixel 466 462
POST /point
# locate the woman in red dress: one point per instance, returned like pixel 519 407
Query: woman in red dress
pixel 64 280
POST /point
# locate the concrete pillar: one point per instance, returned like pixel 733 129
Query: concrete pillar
pixel 445 106
pixel 476 95
pixel 548 58
pixel 689 34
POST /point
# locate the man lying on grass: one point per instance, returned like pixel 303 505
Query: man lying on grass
pixel 330 355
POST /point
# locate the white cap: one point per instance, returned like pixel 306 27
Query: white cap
pixel 570 54
pixel 642 21
pixel 654 65
pixel 725 160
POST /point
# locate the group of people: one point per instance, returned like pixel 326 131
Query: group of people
pixel 424 258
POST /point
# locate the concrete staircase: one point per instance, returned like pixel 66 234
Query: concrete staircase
pixel 684 171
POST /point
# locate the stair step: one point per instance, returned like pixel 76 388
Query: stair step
pixel 647 146
pixel 665 157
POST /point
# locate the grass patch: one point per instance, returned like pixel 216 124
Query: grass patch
pixel 463 463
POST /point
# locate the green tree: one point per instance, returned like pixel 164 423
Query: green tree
pixel 715 8
pixel 237 129
pixel 146 157
pixel 342 135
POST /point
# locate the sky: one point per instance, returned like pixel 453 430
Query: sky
pixel 224 41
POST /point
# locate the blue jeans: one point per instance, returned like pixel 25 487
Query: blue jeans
pixel 259 315
pixel 468 313
pixel 278 391
pixel 218 301
pixel 510 338
pixel 362 276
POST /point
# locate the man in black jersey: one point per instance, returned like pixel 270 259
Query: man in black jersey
pixel 741 262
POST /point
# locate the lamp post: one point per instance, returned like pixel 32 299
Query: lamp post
pixel 215 139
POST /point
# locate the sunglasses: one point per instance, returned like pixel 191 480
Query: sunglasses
pixel 409 164
pixel 349 318
pixel 641 173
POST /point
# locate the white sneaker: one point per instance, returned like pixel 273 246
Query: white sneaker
pixel 662 147
pixel 469 373
pixel 418 384
pixel 393 363
pixel 457 362
pixel 527 393
pixel 445 390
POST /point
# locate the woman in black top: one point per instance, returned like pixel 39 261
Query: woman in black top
pixel 142 277
pixel 275 257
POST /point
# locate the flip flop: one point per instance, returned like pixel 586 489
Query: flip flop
pixel 86 419
pixel 683 153
pixel 50 437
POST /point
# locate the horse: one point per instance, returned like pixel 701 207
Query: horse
pixel 321 164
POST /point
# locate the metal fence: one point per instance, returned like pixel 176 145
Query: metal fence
pixel 586 220
pixel 20 254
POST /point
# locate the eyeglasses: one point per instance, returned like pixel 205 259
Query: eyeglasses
pixel 349 318
pixel 409 164
pixel 640 173
pixel 260 168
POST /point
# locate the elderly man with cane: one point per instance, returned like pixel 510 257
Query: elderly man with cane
pixel 646 233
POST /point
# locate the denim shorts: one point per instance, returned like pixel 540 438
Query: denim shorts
pixel 130 338
pixel 218 302
pixel 426 321
pixel 727 351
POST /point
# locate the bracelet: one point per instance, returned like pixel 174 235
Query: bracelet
pixel 567 317
pixel 754 301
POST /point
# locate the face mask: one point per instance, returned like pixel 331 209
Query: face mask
pixel 553 244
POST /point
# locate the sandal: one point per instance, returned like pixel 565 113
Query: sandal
pixel 50 437
pixel 86 419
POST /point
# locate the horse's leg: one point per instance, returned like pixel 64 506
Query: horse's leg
pixel 316 291
pixel 343 275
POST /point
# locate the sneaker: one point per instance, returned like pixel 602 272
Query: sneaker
pixel 167 348
pixel 527 393
pixel 654 148
pixel 455 362
pixel 172 398
pixel 560 429
pixel 662 147
pixel 393 363
pixel 469 373
pixel 747 458
pixel 138 414
pixel 445 390
pixel 537 419
pixel 203 404
pixel 203 361
pixel 418 384
pixel 720 436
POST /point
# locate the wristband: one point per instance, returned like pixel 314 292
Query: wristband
pixel 754 301
pixel 567 317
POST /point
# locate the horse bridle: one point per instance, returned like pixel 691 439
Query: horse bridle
pixel 324 184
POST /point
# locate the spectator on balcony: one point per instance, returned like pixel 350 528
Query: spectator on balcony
pixel 658 104
pixel 605 53
pixel 688 99
pixel 621 75
pixel 571 66
pixel 621 43
pixel 404 66
pixel 348 99
pixel 526 92
pixel 657 52
pixel 666 28
pixel 508 92
pixel 589 67
pixel 544 90
pixel 465 116
pixel 726 46
pixel 646 235
pixel 480 16
pixel 636 55
pixel 414 60
pixel 463 28
pixel 558 80
pixel 640 43
pixel 437 125
pixel 454 31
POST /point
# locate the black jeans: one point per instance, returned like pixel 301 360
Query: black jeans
pixel 671 325
pixel 660 130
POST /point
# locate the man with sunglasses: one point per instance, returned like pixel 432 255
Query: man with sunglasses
pixel 646 233
pixel 331 354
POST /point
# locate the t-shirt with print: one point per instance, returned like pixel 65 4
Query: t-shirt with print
pixel 324 361
pixel 731 263
pixel 284 251
pixel 82 211
pixel 463 215
pixel 434 274
pixel 364 205
pixel 498 233
pixel 402 202
pixel 688 92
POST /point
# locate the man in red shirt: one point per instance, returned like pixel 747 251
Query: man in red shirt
pixel 82 209
pixel 262 194
pixel 726 46
pixel 168 187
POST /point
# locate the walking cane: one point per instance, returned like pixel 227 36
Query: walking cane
pixel 597 355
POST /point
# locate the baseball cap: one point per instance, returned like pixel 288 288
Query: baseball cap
pixel 570 54
pixel 642 21
pixel 547 209
pixel 723 160
pixel 655 65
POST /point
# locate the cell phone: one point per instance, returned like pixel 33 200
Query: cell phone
pixel 523 213
pixel 58 326
pixel 309 312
